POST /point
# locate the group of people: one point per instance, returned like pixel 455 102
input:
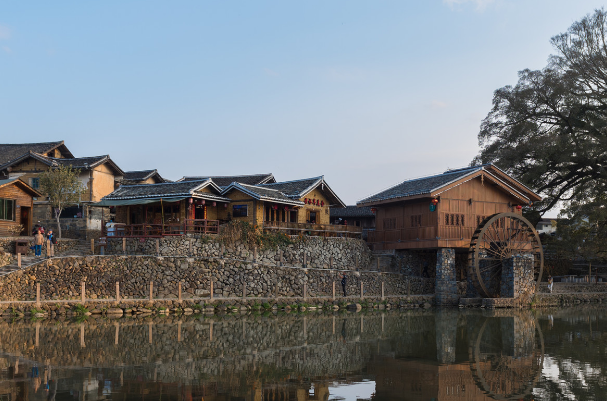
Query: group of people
pixel 40 238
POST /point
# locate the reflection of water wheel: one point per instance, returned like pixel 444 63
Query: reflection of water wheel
pixel 498 237
pixel 505 377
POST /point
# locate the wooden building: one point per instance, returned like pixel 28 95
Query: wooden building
pixel 362 217
pixel 444 210
pixel 142 177
pixel 225 180
pixel 170 208
pixel 16 203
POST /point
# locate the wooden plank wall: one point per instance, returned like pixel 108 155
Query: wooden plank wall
pixel 23 199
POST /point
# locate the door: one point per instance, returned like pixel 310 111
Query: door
pixel 26 220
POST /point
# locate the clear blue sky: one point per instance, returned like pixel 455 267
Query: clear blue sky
pixel 368 93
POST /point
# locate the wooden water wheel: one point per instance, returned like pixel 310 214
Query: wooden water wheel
pixel 498 237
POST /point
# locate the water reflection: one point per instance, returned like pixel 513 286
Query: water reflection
pixel 411 355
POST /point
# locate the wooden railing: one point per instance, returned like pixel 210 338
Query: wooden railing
pixel 189 226
pixel 421 233
pixel 323 230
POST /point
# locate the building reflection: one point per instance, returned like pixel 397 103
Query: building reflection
pixel 417 355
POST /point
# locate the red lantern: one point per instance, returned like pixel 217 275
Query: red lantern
pixel 519 207
pixel 203 201
pixel 214 203
pixel 286 208
pixel 191 200
pixel 435 201
pixel 305 200
pixel 373 210
pixel 309 201
pixel 322 203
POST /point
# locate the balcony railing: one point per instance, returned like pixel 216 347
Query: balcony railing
pixel 189 226
pixel 322 230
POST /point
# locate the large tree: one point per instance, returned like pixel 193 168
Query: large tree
pixel 63 188
pixel 550 129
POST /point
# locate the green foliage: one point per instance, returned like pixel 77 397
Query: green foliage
pixel 266 305
pixel 33 311
pixel 80 309
pixel 548 130
pixel 63 188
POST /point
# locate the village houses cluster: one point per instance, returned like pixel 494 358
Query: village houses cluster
pixel 143 203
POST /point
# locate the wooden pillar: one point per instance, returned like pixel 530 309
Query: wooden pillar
pixel 361 289
pixel 151 290
pixel 281 258
pixel 179 299
pixel 48 248
pixel 382 322
pixel 305 259
pixel 83 292
pixel 179 331
pixel 331 262
pixel 92 246
pixel 117 291
pixel 211 331
pixel 333 324
pixel 116 333
pixel 19 260
pixel 82 345
pixel 38 294
pixel 362 324
pixel 157 247
pixel 255 254
pixel 37 334
pixel 190 245
pixel 333 297
pixel 124 245
pixel 382 291
pixel 150 338
pixel 211 287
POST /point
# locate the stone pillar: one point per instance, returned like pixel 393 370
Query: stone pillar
pixel 446 335
pixel 517 277
pixel 446 285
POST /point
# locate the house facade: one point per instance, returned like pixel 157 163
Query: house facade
pixel 16 204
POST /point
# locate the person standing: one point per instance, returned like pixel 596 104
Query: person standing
pixel 51 241
pixel 38 241
pixel 550 283
pixel 343 283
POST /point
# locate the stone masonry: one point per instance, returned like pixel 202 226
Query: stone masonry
pixel 446 285
pixel 517 278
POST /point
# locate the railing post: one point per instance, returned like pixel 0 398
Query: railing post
pixel 151 290
pixel 117 291
pixel 179 292
pixel 281 257
pixel 83 292
pixel 331 262
pixel 211 285
pixel 19 260
pixel 333 297
pixel 255 254
pixel 157 247
pixel 190 241
pixel 382 291
pixel 305 259
pixel 92 246
pixel 361 289
pixel 38 294
pixel 124 245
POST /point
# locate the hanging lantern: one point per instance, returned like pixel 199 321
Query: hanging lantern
pixel 435 201
pixel 191 200
pixel 373 210
pixel 519 207
pixel 322 203
pixel 214 203
pixel 305 200
pixel 286 208
pixel 203 201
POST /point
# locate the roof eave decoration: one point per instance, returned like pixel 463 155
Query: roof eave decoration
pixel 325 186
pixel 19 181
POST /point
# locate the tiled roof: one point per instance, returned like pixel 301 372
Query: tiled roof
pixel 12 151
pixel 224 181
pixel 135 177
pixel 165 190
pixel 294 189
pixel 420 186
pixel 261 193
pixel 18 181
pixel 351 211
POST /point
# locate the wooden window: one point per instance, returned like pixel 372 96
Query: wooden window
pixel 479 220
pixel 390 224
pixel 7 209
pixel 240 211
pixel 35 182
pixel 453 219
pixel 416 220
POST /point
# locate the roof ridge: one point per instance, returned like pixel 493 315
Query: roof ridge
pixel 258 186
pixel 301 179
pixel 165 183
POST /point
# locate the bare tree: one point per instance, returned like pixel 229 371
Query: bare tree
pixel 63 188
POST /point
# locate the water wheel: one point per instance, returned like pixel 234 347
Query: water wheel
pixel 498 237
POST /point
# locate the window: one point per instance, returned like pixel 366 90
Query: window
pixel 35 183
pixel 390 224
pixel 479 220
pixel 7 209
pixel 240 211
pixel 454 219
pixel 416 221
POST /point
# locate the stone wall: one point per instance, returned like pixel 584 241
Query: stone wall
pixel 446 285
pixel 60 279
pixel 347 253
pixel 64 246
pixel 517 278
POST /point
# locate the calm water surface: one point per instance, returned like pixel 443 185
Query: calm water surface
pixel 400 355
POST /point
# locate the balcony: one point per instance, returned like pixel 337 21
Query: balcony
pixel 189 226
pixel 320 230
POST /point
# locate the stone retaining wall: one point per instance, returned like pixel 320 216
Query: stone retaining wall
pixel 60 278
pixel 347 253
pixel 64 245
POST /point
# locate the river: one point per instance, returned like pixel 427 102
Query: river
pixel 414 354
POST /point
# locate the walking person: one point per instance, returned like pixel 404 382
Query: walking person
pixel 51 241
pixel 38 241
pixel 343 283
pixel 550 283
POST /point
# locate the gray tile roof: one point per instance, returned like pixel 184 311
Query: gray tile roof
pixel 261 193
pixel 135 177
pixel 224 181
pixel 351 211
pixel 294 189
pixel 420 186
pixel 164 190
pixel 12 151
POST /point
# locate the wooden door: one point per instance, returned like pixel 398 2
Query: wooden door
pixel 26 220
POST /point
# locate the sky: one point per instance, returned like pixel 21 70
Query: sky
pixel 366 93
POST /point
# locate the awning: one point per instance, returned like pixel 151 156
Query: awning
pixel 141 201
